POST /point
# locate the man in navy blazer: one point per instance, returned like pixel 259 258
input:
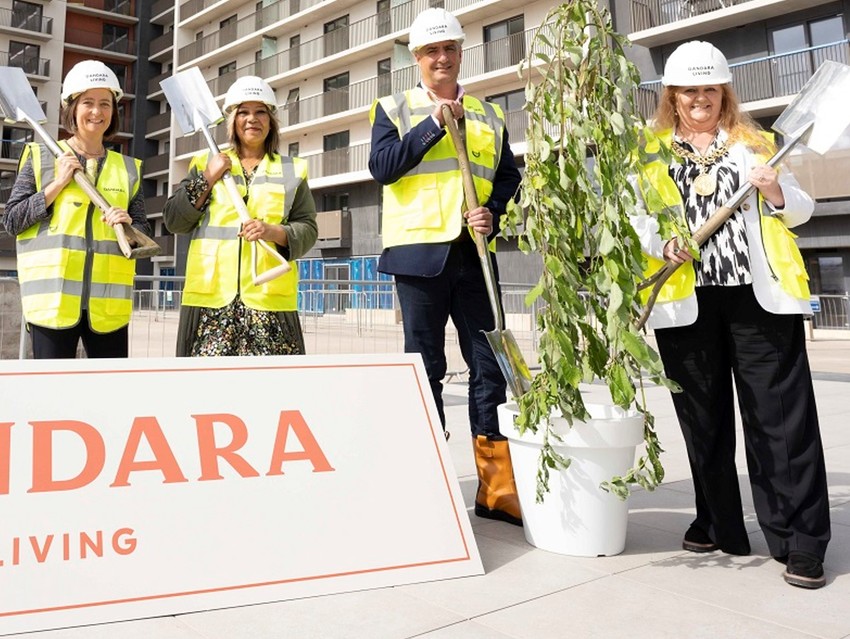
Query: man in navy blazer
pixel 428 245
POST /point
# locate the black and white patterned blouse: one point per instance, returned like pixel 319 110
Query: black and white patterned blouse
pixel 725 256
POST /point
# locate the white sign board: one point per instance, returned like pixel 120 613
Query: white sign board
pixel 147 487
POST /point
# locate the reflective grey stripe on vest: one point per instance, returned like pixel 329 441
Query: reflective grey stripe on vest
pixel 72 287
pixel 43 241
pixel 427 167
pixel 130 165
pixel 495 123
pixel 47 168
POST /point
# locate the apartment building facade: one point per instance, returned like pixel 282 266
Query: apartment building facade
pixel 46 38
pixel 327 62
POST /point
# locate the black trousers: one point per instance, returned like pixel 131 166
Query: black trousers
pixel 61 343
pixel 426 305
pixel 734 337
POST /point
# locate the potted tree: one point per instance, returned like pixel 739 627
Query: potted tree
pixel 576 197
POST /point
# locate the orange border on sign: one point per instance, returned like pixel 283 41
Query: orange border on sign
pixel 266 583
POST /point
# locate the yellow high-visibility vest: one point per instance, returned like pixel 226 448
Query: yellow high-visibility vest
pixel 53 268
pixel 218 266
pixel 425 205
pixel 783 256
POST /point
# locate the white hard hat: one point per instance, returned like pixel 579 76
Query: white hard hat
pixel 695 64
pixel 434 25
pixel 89 74
pixel 249 88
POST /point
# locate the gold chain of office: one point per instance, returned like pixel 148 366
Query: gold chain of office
pixel 704 183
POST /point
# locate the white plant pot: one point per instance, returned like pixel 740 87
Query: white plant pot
pixel 576 517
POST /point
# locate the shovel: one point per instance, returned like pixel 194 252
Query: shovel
pixel 818 118
pixel 19 104
pixel 195 109
pixel 502 342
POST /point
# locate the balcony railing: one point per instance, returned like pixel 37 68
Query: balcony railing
pixel 156 164
pixel 646 14
pixel 356 34
pixel 161 6
pixel 32 65
pixel 26 21
pixel 162 43
pixel 11 149
pixel 774 76
pixel 121 7
pixel 158 122
pixel 99 40
pixel 490 56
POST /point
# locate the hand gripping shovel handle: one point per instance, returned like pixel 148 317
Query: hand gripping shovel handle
pixel 245 216
pixel 145 247
pixel 710 226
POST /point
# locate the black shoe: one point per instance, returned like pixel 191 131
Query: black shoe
pixel 499 515
pixel 697 540
pixel 804 570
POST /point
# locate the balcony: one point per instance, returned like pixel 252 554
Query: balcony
pixel 155 164
pixel 153 84
pixel 657 22
pixel 776 76
pixel 34 24
pixel 195 142
pixel 162 12
pixel 334 229
pixel 32 65
pixel 161 44
pixel 351 159
pixel 124 47
pixel 154 205
pixel 115 9
pixel 11 150
pixel 158 124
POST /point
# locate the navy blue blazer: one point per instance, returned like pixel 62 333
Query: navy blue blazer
pixel 391 157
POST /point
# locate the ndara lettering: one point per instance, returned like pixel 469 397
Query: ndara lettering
pixel 148 430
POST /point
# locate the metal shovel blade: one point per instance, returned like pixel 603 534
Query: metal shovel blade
pixel 823 100
pixel 511 361
pixel 192 103
pixel 17 100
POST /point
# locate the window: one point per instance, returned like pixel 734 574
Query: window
pixel 336 35
pixel 384 17
pixel 14 140
pixel 335 96
pixel 335 157
pixel 335 202
pixel 292 106
pixel 26 56
pixel 804 42
pixel 26 15
pixel 295 52
pixel 292 150
pixel 230 67
pixel 504 43
pixel 385 76
pixel 116 38
pixel 227 30
pixel 516 120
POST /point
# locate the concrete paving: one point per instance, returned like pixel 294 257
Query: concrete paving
pixel 653 589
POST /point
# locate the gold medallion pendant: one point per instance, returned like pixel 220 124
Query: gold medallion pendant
pixel 704 184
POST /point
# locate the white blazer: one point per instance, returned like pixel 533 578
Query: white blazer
pixel 798 209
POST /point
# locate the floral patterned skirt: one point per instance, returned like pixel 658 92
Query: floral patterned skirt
pixel 236 329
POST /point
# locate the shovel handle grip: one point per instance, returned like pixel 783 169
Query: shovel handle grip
pixel 101 203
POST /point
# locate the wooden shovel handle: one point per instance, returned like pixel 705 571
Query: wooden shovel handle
pixel 471 197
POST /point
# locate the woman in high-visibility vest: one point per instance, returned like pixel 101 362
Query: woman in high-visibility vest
pixel 222 311
pixel 75 282
pixel 734 312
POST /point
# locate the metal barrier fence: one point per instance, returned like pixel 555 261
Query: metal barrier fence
pixel 337 316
